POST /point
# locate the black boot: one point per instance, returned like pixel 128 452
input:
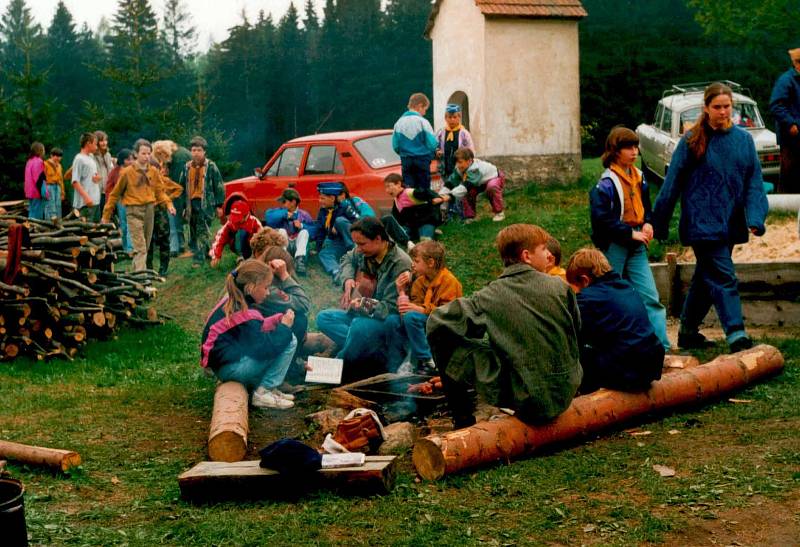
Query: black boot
pixel 693 340
pixel 300 265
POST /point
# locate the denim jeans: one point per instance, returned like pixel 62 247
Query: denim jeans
pixel 254 373
pixel 359 338
pixel 714 282
pixel 632 265
pixel 412 334
pixel 52 203
pixel 177 240
pixel 416 171
pixel 330 254
pixel 122 215
pixel 241 244
pixel 36 209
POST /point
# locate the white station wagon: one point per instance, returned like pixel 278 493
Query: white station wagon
pixel 679 108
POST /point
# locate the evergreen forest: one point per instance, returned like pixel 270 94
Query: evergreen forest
pixel 350 65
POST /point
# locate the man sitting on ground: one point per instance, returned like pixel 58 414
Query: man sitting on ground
pixel 530 361
pixel 619 347
pixel 368 314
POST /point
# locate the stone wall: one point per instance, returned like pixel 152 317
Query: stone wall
pixel 544 169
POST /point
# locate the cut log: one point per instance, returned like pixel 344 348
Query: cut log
pixel 340 398
pixel 245 479
pixel 508 438
pixel 37 455
pixel 227 438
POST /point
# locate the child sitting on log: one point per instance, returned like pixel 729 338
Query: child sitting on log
pixel 619 348
pixel 530 361
pixel 236 233
pixel 434 285
pixel 241 345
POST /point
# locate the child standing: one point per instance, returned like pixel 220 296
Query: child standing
pixel 619 348
pixel 55 184
pixel 620 211
pixel 238 230
pixel 451 137
pixel 34 177
pixel 241 345
pixel 415 212
pixel 415 143
pixel 478 176
pixel 434 285
pixel 531 360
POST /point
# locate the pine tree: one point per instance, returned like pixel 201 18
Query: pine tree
pixel 179 33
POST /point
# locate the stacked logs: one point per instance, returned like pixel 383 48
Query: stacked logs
pixel 66 290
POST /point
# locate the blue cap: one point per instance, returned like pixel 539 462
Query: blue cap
pixel 452 108
pixel 330 188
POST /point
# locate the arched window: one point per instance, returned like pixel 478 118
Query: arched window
pixel 460 98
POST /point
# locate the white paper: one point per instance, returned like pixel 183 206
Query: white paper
pixel 324 370
pixel 348 459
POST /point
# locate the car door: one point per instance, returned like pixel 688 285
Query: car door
pixel 283 172
pixel 323 163
pixel 648 142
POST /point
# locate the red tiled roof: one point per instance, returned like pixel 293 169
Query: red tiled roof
pixel 560 9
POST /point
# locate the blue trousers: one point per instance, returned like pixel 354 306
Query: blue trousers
pixel 122 214
pixel 416 171
pixel 254 373
pixel 52 203
pixel 632 265
pixel 361 340
pixel 412 334
pixel 714 282
pixel 36 209
pixel 177 240
pixel 333 249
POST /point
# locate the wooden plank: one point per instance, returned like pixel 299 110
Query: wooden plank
pixel 208 481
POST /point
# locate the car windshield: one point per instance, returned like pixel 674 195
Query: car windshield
pixel 377 151
pixel 744 115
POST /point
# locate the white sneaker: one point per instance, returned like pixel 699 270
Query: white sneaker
pixel 469 220
pixel 282 395
pixel 499 216
pixel 267 399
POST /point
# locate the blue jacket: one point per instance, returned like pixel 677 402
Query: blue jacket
pixel 619 348
pixel 722 193
pixel 607 207
pixel 277 218
pixel 785 103
pixel 352 209
pixel 413 136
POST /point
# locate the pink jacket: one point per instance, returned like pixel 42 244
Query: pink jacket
pixel 33 170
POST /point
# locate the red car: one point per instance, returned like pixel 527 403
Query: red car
pixel 360 159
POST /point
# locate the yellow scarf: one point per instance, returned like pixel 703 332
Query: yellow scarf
pixel 452 132
pixel 328 219
pixel 632 195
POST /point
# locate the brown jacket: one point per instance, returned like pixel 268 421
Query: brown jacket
pixel 131 191
pixel 430 294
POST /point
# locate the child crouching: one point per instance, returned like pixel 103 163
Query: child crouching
pixel 619 348
pixel 241 345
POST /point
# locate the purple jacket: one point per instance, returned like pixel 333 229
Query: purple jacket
pixel 464 139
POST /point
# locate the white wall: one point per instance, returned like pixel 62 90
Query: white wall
pixel 458 54
pixel 531 99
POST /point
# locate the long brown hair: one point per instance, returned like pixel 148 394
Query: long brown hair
pixel 697 139
pixel 249 272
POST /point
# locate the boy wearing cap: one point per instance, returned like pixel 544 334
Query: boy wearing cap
pixel 415 143
pixel 785 107
pixel 295 224
pixel 237 231
pixel 452 137
pixel 337 212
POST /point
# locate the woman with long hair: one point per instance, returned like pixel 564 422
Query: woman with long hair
pixel 716 172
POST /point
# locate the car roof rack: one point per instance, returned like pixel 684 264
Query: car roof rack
pixel 701 86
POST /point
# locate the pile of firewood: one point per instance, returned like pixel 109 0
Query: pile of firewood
pixel 66 290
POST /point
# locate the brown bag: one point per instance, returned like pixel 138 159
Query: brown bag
pixel 358 433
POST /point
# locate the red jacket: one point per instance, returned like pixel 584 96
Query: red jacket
pixel 226 235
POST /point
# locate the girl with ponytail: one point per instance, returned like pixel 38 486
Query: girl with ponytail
pixel 717 175
pixel 241 345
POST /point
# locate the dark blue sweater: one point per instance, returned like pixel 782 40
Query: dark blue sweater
pixel 619 348
pixel 722 193
pixel 785 103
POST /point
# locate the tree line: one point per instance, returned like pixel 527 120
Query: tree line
pixel 352 66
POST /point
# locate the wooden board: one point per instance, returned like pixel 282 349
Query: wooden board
pixel 209 481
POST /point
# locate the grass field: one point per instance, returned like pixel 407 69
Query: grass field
pixel 137 409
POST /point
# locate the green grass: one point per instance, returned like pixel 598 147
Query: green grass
pixel 137 409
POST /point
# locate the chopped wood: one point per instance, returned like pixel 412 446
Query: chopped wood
pixel 246 479
pixel 37 455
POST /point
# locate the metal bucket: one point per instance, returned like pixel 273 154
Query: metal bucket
pixel 12 513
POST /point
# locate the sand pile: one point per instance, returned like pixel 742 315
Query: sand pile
pixel 779 244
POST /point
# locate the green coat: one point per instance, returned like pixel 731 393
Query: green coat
pixel 394 263
pixel 530 362
pixel 213 190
